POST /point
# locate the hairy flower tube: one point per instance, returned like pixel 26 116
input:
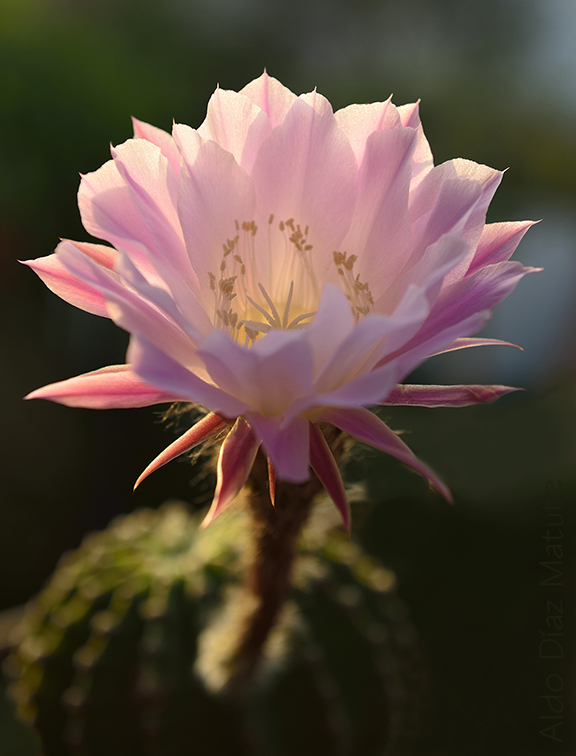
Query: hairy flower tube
pixel 284 266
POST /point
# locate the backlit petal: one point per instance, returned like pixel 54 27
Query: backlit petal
pixel 366 427
pixel 209 426
pixel 445 396
pixel 237 455
pixel 113 387
pixel 324 465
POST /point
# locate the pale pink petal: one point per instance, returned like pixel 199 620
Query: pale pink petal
pixel 113 387
pixel 368 428
pixel 349 378
pixel 366 389
pixel 180 303
pixel 63 283
pixel 415 352
pixel 498 242
pixel 271 96
pixel 359 121
pixel 161 139
pixel 474 342
pixel 428 273
pixel 188 141
pixel 156 367
pixel 287 446
pixel 154 190
pixel 135 311
pixel 209 426
pixel 236 124
pixel 306 170
pixel 445 396
pixel 237 455
pixel 272 374
pixel 409 114
pixel 479 292
pixel 108 212
pixel 214 194
pixel 324 465
pixel 331 326
pixel 106 257
pixel 453 207
pixel 381 226
pixel 422 161
pixel 364 348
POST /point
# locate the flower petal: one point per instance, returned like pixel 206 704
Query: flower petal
pixel 368 428
pixel 113 387
pixel 454 204
pixel 427 273
pixel 158 368
pixel 422 161
pixel 445 396
pixel 236 124
pixel 453 199
pixel 498 242
pixel 271 96
pixel 306 170
pixel 153 188
pixel 209 426
pixel 381 227
pixel 324 465
pixel 161 139
pixel 66 285
pixel 479 291
pixel 269 376
pixel 237 455
pixel 137 311
pixel 474 342
pixel 287 446
pixel 214 193
pixel 358 122
pixel 374 336
pixel 331 326
pixel 108 212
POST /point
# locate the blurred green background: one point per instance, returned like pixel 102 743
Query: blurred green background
pixel 497 81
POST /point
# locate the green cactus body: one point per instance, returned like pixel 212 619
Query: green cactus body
pixel 119 654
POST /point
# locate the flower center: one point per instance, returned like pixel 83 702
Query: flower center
pixel 269 283
pixel 246 308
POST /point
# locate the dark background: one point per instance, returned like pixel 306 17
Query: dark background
pixel 498 85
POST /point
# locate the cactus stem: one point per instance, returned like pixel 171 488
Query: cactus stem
pixel 276 530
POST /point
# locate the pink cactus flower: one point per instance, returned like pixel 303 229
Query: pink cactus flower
pixel 284 266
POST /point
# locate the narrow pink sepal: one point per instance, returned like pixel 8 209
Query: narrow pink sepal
pixel 368 428
pixel 324 465
pixel 445 396
pixel 237 455
pixel 207 427
pixel 474 342
pixel 112 387
pixel 271 481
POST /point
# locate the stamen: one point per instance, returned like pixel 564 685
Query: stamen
pixel 357 292
pixel 256 326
